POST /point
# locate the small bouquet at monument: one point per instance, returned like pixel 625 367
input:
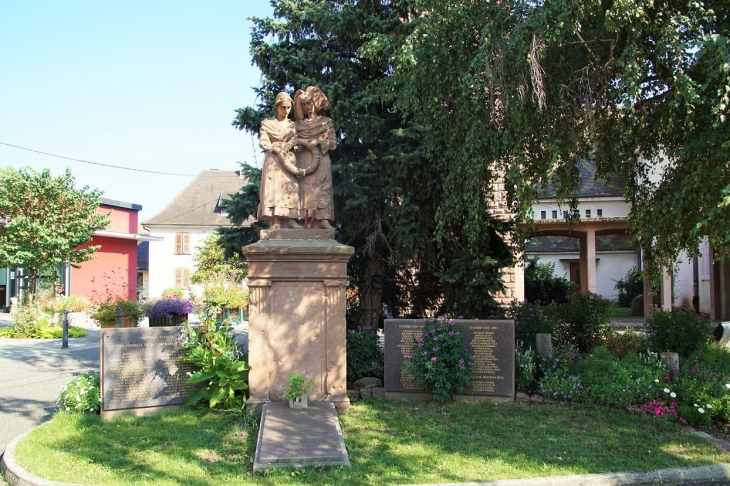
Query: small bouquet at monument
pixel 297 388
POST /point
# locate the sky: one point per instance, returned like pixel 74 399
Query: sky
pixel 142 84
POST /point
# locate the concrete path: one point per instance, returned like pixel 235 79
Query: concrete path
pixel 32 372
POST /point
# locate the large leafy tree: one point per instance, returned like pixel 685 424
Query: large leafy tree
pixel 387 186
pixel 212 264
pixel 522 89
pixel 44 220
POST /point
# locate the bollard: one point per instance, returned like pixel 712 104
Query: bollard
pixel 722 333
pixel 119 317
pixel 544 344
pixel 670 360
pixel 64 339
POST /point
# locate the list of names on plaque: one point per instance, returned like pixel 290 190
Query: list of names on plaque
pixel 491 343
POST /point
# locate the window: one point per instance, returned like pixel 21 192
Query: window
pixel 599 212
pixel 543 214
pixel 182 243
pixel 182 277
pixel 555 215
pixel 588 213
pixel 565 214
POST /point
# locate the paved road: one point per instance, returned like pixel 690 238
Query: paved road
pixel 32 373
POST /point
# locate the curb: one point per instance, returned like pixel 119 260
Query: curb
pixel 15 475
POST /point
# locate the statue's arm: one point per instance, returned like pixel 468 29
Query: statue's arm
pixel 330 142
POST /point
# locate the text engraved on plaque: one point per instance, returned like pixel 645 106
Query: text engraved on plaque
pixel 141 367
pixel 490 342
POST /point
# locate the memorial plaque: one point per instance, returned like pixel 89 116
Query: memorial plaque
pixel 141 369
pixel 490 341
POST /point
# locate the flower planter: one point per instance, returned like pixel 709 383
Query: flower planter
pixel 298 402
pixel 126 321
pixel 173 320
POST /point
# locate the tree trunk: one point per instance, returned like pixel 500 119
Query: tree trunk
pixel 371 295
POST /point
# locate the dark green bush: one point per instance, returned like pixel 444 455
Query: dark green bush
pixel 629 287
pixel 678 330
pixel 531 319
pixel 542 287
pixel 363 352
pixel 584 321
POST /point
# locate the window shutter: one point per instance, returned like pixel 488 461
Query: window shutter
pixel 182 277
pixel 178 244
pixel 178 277
pixel 186 244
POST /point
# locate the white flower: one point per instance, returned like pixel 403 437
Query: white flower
pixel 727 385
pixel 656 380
pixel 673 395
pixel 68 409
pixel 709 406
pixel 666 390
pixel 696 405
pixel 701 410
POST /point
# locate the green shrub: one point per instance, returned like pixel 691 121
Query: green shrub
pixel 224 293
pixel 622 343
pixel 223 370
pixel 363 352
pixel 629 287
pixel 542 287
pixel 585 321
pixel 105 312
pixel 678 331
pixel 439 362
pixel 72 303
pixel 30 322
pixel 531 319
pixel 81 394
pixel 174 292
pixel 525 366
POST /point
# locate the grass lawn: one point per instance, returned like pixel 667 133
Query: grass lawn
pixel 617 311
pixel 389 442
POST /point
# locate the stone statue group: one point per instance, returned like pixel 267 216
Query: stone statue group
pixel 296 180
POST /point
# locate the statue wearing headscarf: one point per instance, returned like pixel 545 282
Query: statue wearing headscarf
pixel 313 127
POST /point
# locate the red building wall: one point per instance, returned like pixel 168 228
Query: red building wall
pixel 114 268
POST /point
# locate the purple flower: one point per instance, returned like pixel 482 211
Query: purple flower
pixel 424 353
pixel 461 361
pixel 167 306
pixel 435 338
pixel 409 356
pixel 435 349
pixel 434 359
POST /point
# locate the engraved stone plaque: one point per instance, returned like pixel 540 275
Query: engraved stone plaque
pixel 141 368
pixel 490 341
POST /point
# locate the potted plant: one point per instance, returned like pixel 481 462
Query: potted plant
pixel 168 311
pixel 116 312
pixel 296 389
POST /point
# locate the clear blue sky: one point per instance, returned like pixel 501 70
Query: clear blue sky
pixel 142 84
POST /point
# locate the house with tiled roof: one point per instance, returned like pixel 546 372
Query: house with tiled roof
pixel 597 250
pixel 196 212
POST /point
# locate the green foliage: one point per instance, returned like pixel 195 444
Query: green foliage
pixel 173 292
pixel 532 319
pixel 525 89
pixel 223 370
pixel 439 362
pixel 525 366
pixel 678 331
pixel 45 219
pixel 387 188
pixel 629 287
pixel 81 394
pixel 584 321
pixel 297 385
pixel 362 352
pixel 621 344
pixel 213 264
pixel 105 312
pixel 542 287
pixel 224 293
pixel 30 322
pixel 72 303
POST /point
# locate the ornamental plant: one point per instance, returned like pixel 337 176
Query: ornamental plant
pixel 525 367
pixel 105 312
pixel 167 306
pixel 439 362
pixel 81 394
pixel 679 330
pixel 362 352
pixel 222 368
pixel 297 385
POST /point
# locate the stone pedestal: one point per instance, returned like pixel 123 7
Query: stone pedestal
pixel 297 281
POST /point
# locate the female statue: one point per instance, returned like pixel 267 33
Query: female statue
pixel 279 193
pixel 318 134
